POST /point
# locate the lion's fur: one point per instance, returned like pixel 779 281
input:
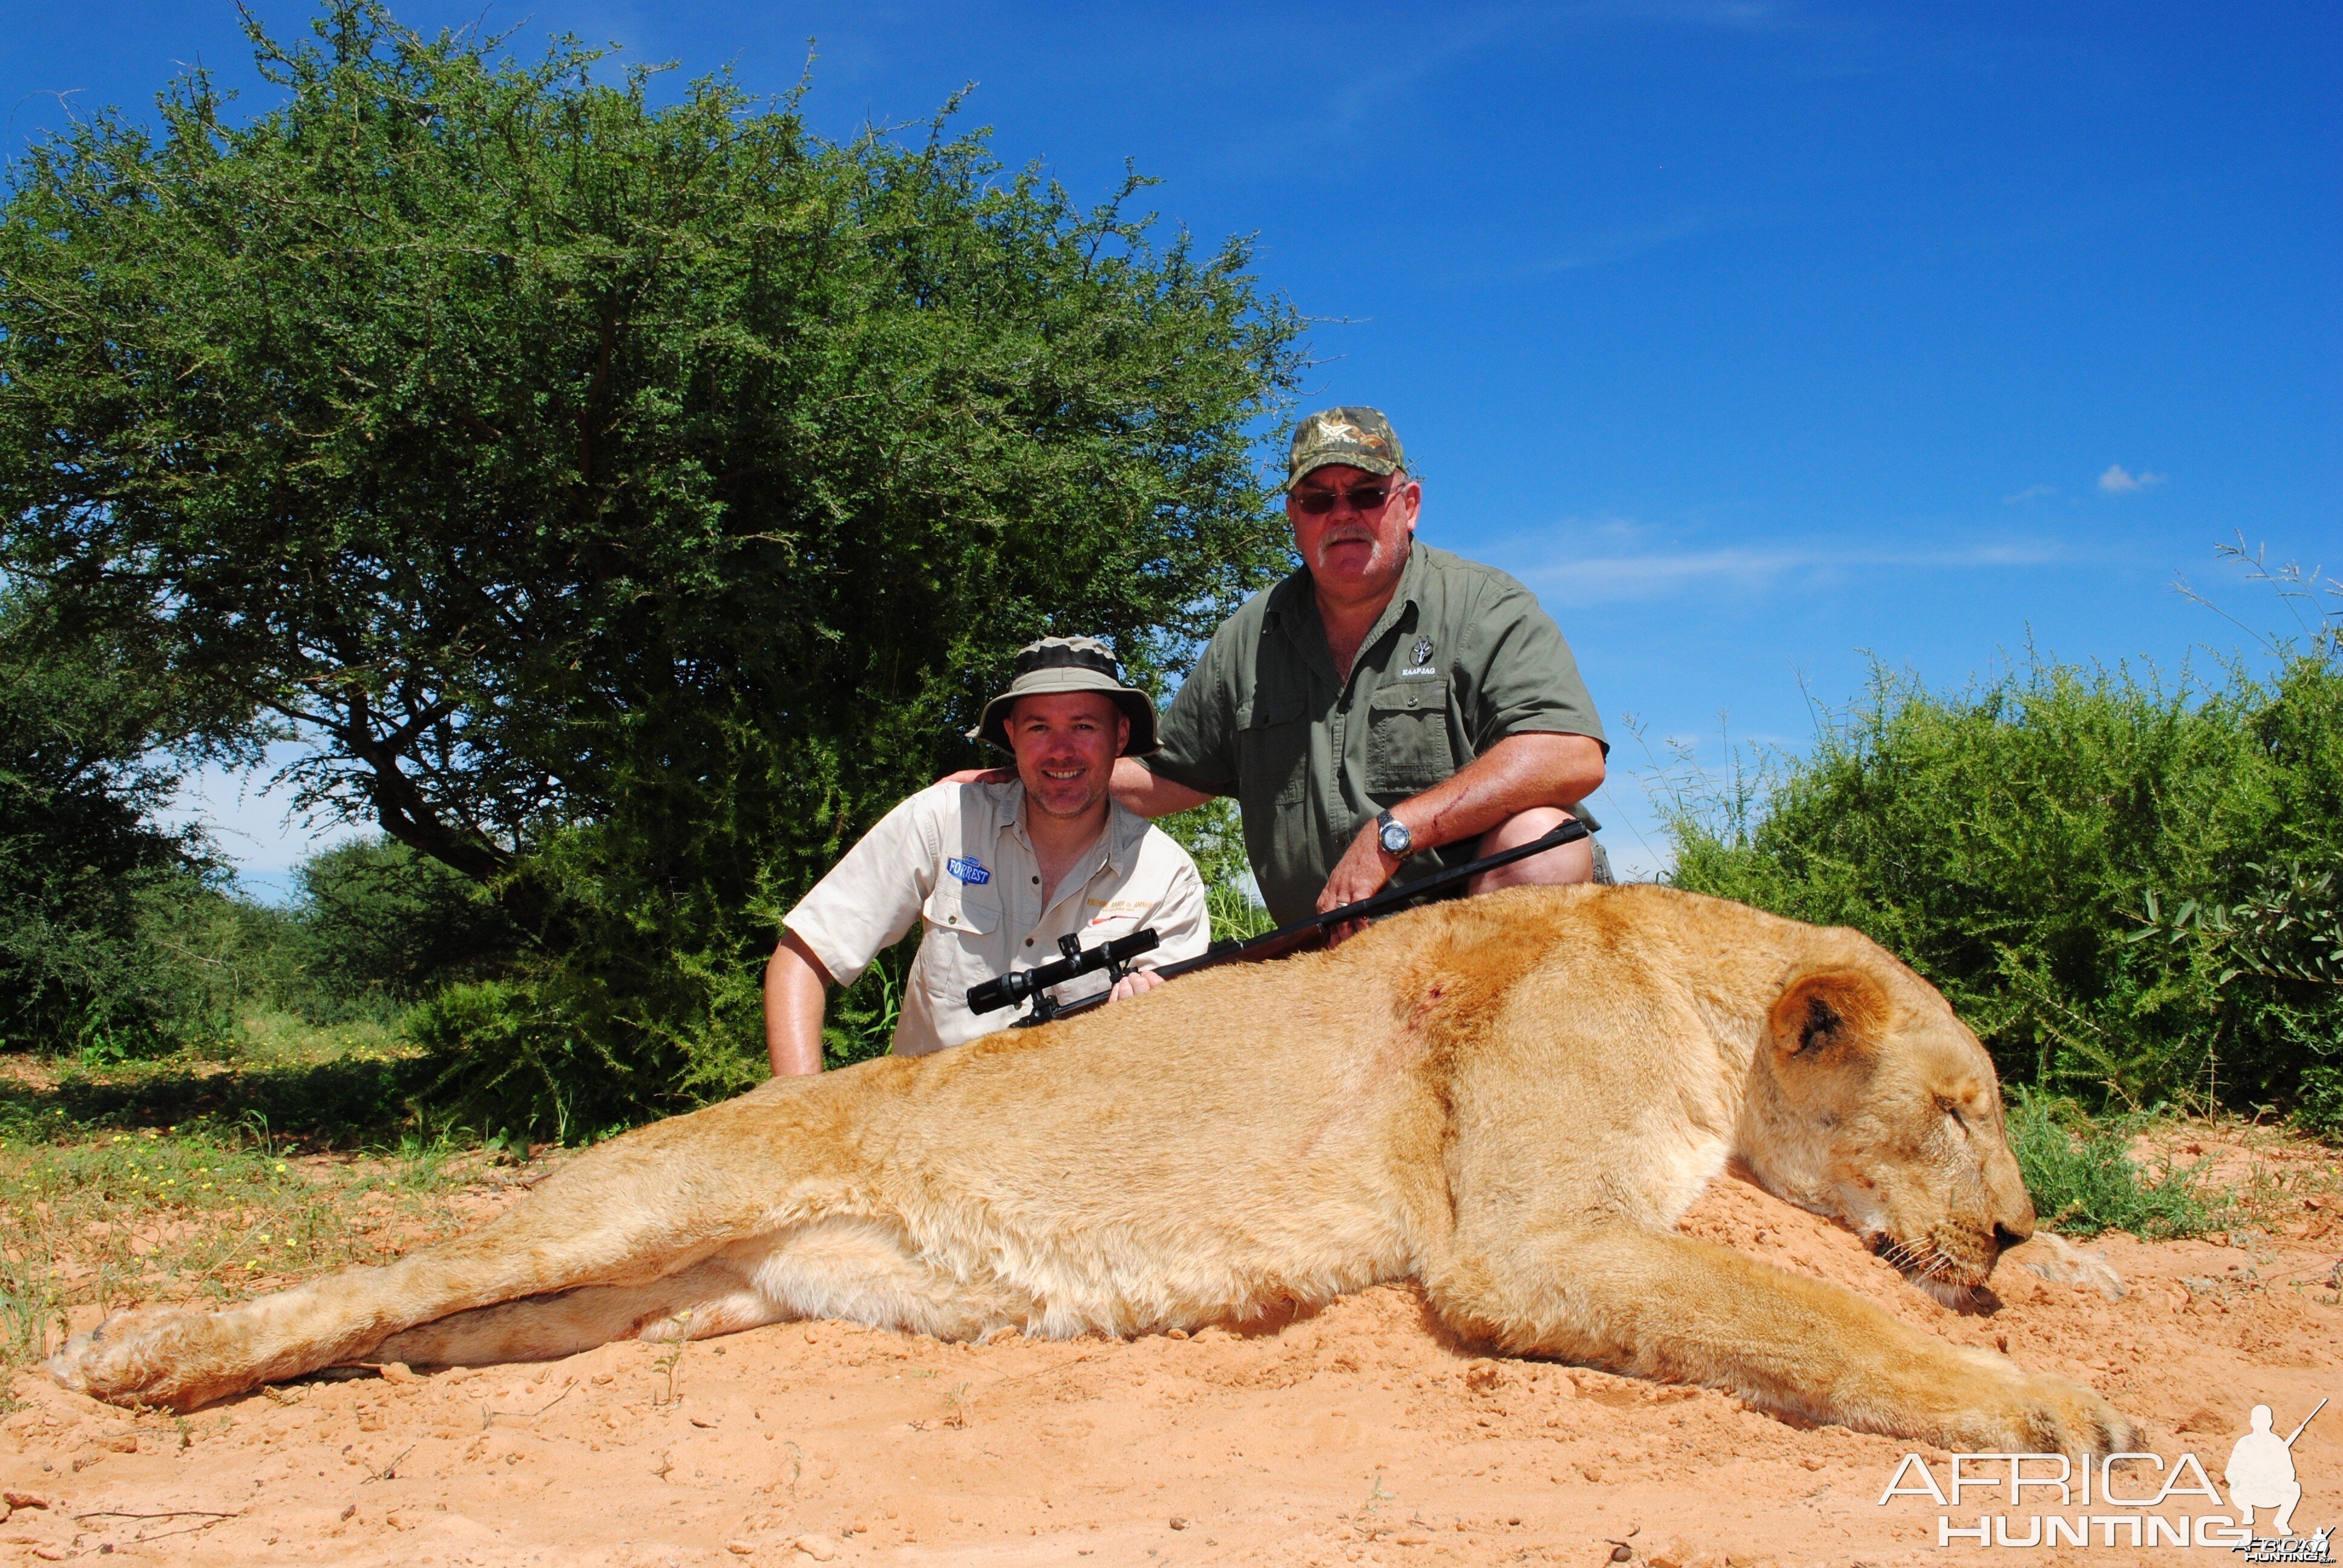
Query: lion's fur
pixel 1511 1099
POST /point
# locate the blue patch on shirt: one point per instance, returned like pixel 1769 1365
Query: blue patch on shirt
pixel 969 870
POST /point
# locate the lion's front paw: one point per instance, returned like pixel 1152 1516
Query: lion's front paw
pixel 2034 1413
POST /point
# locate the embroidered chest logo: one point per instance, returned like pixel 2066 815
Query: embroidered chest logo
pixel 969 870
pixel 1422 652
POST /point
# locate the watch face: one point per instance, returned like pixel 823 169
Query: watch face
pixel 1395 838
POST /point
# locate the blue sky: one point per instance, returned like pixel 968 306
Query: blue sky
pixel 1761 339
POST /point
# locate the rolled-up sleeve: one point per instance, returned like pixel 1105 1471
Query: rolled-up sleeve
pixel 872 896
pixel 1527 681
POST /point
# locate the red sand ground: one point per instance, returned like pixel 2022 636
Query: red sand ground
pixel 1359 1434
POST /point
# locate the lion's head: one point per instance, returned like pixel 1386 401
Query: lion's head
pixel 1870 1102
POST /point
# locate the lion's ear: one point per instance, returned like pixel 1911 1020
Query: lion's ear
pixel 1830 1013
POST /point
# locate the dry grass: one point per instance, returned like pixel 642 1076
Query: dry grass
pixel 2268 1177
pixel 98 1212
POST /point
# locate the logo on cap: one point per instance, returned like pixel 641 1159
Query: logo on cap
pixel 1360 437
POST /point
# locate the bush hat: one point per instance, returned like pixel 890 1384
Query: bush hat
pixel 1058 664
pixel 1356 437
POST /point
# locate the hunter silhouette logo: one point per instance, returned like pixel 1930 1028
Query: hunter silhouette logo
pixel 2260 1471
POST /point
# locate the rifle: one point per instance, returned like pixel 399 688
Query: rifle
pixel 1011 989
pixel 2306 1422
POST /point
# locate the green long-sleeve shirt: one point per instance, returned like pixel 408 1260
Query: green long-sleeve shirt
pixel 1461 657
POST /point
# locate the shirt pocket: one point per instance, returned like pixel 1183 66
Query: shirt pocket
pixel 1407 738
pixel 1273 753
pixel 959 944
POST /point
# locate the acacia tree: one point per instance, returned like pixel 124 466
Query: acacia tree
pixel 555 461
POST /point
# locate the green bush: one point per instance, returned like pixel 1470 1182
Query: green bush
pixel 2319 1106
pixel 506 1058
pixel 2084 1179
pixel 2027 846
pixel 377 921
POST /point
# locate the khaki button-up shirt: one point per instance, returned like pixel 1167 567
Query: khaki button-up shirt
pixel 955 857
pixel 1461 657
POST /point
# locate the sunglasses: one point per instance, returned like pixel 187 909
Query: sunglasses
pixel 1365 499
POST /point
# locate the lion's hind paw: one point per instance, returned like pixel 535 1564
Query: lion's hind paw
pixel 117 1361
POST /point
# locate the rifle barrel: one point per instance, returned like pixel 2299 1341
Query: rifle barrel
pixel 2306 1422
pixel 1290 939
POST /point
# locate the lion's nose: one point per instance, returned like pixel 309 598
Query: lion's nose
pixel 2004 1238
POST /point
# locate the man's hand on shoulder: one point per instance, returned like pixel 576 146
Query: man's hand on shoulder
pixel 980 776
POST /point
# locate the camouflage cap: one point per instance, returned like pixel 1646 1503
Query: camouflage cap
pixel 1356 438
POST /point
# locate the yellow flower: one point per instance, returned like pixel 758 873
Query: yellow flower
pixel 252 1262
pixel 263 1237
pixel 280 1167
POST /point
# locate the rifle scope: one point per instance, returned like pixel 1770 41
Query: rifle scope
pixel 1018 984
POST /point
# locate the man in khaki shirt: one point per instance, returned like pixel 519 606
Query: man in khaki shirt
pixel 998 871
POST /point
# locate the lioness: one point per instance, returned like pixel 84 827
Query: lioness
pixel 1510 1099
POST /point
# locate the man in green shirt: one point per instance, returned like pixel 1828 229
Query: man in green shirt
pixel 1387 709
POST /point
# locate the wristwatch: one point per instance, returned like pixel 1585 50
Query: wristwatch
pixel 1396 839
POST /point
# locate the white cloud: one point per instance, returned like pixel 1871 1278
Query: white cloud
pixel 2031 492
pixel 1615 245
pixel 1608 580
pixel 1734 15
pixel 2115 482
